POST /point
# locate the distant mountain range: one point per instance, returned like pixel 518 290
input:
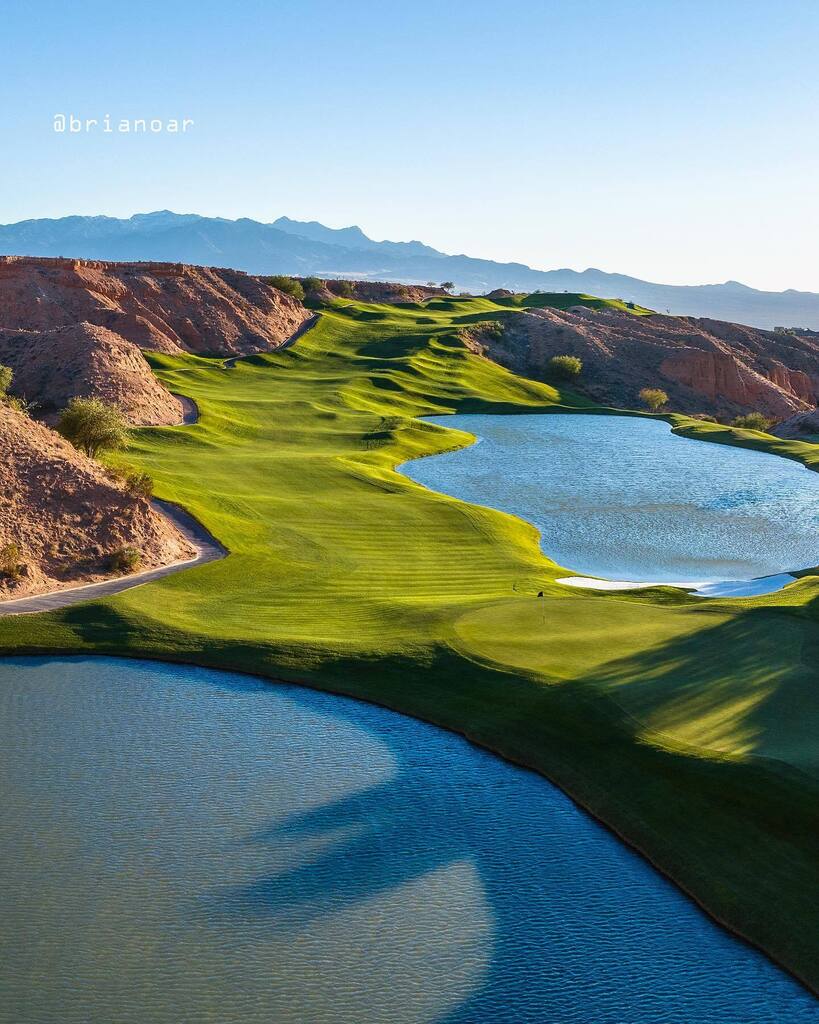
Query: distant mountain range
pixel 309 248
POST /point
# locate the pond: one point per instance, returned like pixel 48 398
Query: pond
pixel 186 845
pixel 621 497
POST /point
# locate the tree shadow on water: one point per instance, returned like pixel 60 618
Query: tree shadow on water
pixel 575 924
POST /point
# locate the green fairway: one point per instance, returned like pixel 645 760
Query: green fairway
pixel 689 727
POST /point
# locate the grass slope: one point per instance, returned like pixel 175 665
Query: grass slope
pixel 565 300
pixel 688 727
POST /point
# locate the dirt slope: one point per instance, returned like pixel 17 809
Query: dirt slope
pixel 169 307
pixel 705 366
pixel 67 515
pixel 75 327
pixel 50 367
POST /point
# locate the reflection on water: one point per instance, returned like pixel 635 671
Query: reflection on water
pixel 624 498
pixel 186 845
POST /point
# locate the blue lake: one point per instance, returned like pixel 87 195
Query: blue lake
pixel 623 498
pixel 185 845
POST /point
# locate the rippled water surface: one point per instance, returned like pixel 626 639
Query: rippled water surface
pixel 624 498
pixel 182 845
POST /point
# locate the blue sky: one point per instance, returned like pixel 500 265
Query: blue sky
pixel 676 141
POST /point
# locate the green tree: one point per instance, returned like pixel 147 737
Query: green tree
pixel 653 398
pixel 447 285
pixel 753 421
pixel 289 285
pixel 312 284
pixel 344 289
pixel 564 367
pixel 93 426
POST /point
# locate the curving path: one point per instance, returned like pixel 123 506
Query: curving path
pixel 208 550
pixel 207 546
pixel 311 321
pixel 190 410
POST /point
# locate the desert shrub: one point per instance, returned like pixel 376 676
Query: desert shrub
pixel 705 417
pixel 93 426
pixel 312 284
pixel 653 398
pixel 140 484
pixel 6 377
pixel 10 561
pixel 344 289
pixel 125 560
pixel 491 329
pixel 19 404
pixel 753 421
pixel 564 367
pixel 286 284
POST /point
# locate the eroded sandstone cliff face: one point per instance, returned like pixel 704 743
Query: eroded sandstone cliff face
pixel 170 307
pixel 75 327
pixel 705 366
pixel 67 515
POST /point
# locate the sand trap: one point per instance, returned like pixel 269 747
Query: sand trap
pixel 589 583
pixel 721 588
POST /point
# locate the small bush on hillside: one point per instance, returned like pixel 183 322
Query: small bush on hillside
pixel 344 289
pixel 312 284
pixel 125 560
pixel 286 284
pixel 564 367
pixel 139 484
pixel 10 561
pixel 653 398
pixel 93 426
pixel 491 328
pixel 19 404
pixel 6 377
pixel 753 421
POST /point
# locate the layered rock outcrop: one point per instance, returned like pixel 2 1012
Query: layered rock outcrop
pixel 169 307
pixel 705 366
pixel 67 516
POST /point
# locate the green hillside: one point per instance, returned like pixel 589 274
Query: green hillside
pixel 565 300
pixel 687 726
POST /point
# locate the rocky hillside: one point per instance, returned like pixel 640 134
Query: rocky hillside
pixel 75 327
pixel 705 366
pixel 169 307
pixel 379 291
pixel 52 366
pixel 67 516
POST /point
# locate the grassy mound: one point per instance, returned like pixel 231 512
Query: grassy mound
pixel 689 728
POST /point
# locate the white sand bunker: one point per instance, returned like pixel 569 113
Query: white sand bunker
pixel 721 588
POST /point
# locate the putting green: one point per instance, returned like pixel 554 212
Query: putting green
pixel 685 728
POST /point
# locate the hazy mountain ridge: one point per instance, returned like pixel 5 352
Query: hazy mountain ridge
pixel 307 247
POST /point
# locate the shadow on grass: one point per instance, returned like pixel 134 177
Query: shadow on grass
pixel 749 685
